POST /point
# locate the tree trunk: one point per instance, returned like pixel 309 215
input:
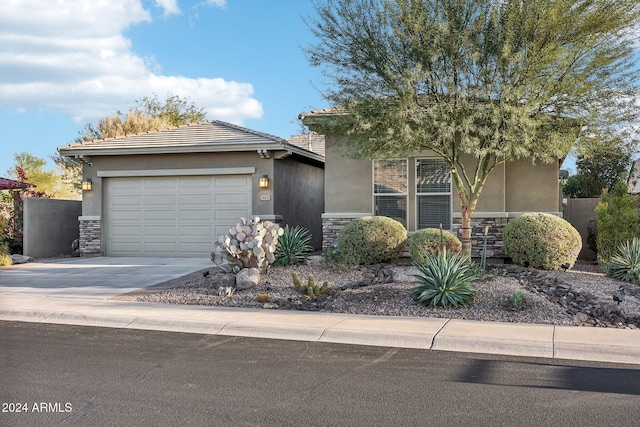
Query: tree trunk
pixel 465 231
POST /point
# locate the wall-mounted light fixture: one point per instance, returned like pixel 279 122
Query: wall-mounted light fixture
pixel 87 185
pixel 264 181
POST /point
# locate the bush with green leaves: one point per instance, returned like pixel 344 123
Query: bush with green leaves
pixel 592 234
pixel 5 258
pixel 444 280
pixel 429 241
pixel 617 219
pixel 249 244
pixel 625 262
pixel 374 239
pixel 293 246
pixel 339 258
pixel 541 240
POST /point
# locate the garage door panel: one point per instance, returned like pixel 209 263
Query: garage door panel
pixel 159 215
pixel 196 215
pixel 172 216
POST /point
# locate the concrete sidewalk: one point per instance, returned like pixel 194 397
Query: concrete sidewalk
pixel 79 298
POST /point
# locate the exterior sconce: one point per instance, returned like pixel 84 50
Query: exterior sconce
pixel 87 185
pixel 264 182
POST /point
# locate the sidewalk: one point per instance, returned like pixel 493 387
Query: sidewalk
pixel 92 306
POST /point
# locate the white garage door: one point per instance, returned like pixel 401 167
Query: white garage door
pixel 172 216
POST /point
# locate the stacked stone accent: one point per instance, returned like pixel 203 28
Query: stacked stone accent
pixel 90 232
pixel 495 244
pixel 330 229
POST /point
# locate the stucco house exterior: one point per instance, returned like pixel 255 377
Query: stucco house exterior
pixel 173 192
pixel 419 192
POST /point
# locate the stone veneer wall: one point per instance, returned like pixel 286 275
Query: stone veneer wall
pixel 90 232
pixel 330 229
pixel 495 244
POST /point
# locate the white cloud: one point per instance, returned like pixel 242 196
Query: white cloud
pixel 170 7
pixel 217 3
pixel 71 56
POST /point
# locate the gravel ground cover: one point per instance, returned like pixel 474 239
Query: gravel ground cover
pixel 386 290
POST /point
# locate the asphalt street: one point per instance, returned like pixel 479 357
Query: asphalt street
pixel 80 376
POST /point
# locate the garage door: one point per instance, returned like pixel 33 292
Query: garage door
pixel 172 216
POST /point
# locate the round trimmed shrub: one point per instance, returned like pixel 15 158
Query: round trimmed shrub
pixel 541 241
pixel 374 239
pixel 427 242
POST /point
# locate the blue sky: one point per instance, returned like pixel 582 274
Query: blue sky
pixel 69 62
pixel 65 63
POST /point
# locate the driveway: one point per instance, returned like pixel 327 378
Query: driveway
pixel 94 277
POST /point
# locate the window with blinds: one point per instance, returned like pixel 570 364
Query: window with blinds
pixel 433 194
pixel 390 189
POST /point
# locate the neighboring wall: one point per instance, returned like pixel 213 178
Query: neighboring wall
pixel 298 190
pixel 578 212
pixel 50 226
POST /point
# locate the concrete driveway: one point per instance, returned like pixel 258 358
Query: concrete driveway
pixel 95 277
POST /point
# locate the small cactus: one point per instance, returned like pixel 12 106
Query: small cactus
pixel 263 298
pixel 310 290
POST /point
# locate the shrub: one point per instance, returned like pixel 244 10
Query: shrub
pixel 250 243
pixel 625 262
pixel 310 290
pixel 373 239
pixel 428 242
pixel 293 247
pixel 339 259
pixel 542 241
pixel 444 280
pixel 617 218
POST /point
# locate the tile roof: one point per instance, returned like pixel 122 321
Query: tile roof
pixel 206 136
pixel 10 184
pixel 311 141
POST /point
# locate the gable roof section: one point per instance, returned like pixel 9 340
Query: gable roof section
pixel 311 141
pixel 202 137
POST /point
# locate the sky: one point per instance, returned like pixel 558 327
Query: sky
pixel 65 63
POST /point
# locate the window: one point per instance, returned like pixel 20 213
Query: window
pixel 433 194
pixel 390 189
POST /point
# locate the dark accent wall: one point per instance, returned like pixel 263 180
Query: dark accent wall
pixel 298 191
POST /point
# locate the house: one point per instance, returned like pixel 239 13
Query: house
pixel 418 191
pixel 173 192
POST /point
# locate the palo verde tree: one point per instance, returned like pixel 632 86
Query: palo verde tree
pixel 498 80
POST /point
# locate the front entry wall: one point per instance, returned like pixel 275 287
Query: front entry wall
pixel 171 215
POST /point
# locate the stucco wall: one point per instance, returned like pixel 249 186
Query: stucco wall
pixel 50 226
pixel 348 182
pixel 578 212
pixel 92 200
pixel 531 188
pixel 299 196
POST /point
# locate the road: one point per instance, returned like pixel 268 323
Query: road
pixel 86 376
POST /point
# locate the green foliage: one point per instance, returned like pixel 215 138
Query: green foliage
pixel 293 246
pixel 495 80
pixel 48 183
pixel 444 280
pixel 541 241
pixel 428 241
pixel 625 262
pixel 310 290
pixel 5 258
pixel 518 300
pixel 250 243
pixel 592 234
pixel 599 169
pixel 341 259
pixel 617 220
pixel 373 239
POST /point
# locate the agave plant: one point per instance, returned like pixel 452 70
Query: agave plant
pixel 444 280
pixel 293 246
pixel 625 263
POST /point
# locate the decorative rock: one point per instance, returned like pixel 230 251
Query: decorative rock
pixel 222 280
pixel 247 278
pixel 20 259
